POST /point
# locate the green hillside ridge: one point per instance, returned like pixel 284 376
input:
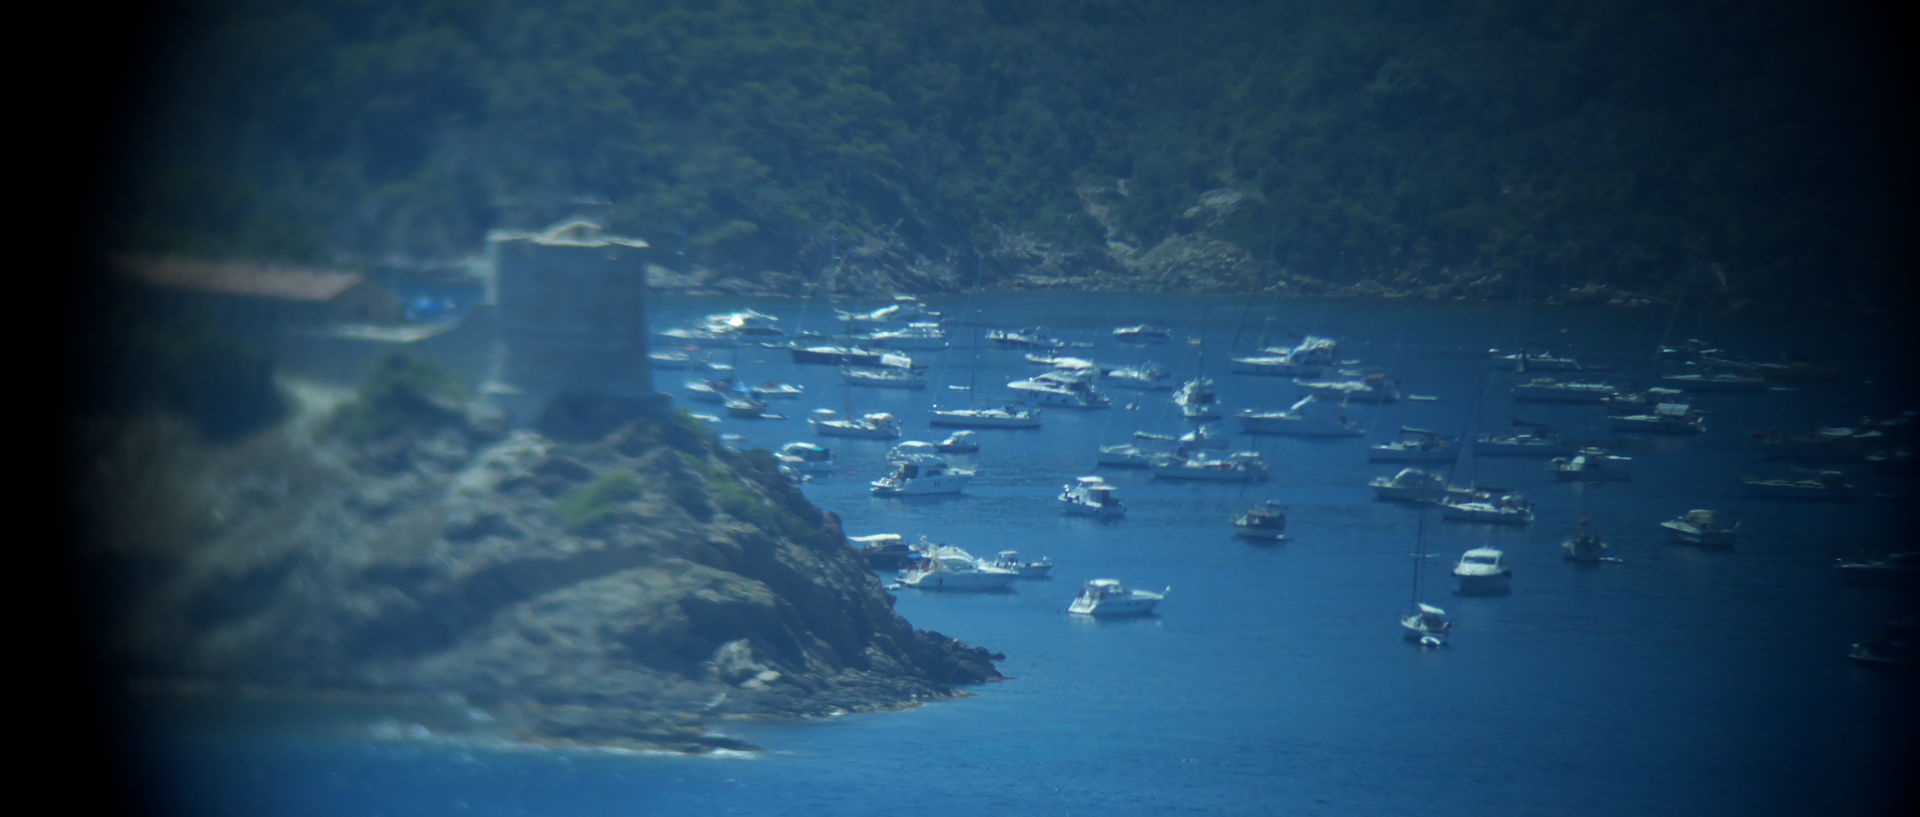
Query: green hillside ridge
pixel 1742 152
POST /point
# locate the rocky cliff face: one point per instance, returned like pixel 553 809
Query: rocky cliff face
pixel 622 588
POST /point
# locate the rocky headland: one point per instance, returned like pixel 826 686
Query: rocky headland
pixel 613 576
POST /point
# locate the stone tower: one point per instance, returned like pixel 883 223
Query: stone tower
pixel 572 317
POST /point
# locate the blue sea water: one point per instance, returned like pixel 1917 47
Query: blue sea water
pixel 1273 680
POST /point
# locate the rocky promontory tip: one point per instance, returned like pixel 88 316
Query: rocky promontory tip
pixel 622 582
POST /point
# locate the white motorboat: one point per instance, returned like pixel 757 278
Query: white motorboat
pixel 1416 445
pixel 951 568
pixel 1142 333
pixel 873 426
pixel 1530 361
pixel 1483 571
pixel 1010 560
pixel 1583 546
pixel 1505 509
pixel 1275 365
pixel 910 449
pixel 1131 455
pixel 1266 522
pixel 959 442
pixel 1373 388
pixel 771 390
pixel 1204 436
pixel 1641 401
pixel 1714 382
pixel 1198 400
pixel 1308 358
pixel 749 405
pixel 1666 418
pixel 1032 337
pixel 1427 626
pixel 1240 466
pixel 1091 496
pixel 1522 444
pixel 1549 390
pixel 1145 377
pixel 886 377
pixel 675 359
pixel 922 476
pixel 905 309
pixel 1005 417
pixel 1813 485
pixel 1309 417
pixel 1054 388
pixel 1108 597
pixel 805 458
pixel 914 337
pixel 1702 527
pixel 1416 485
pixel 711 390
pixel 1592 464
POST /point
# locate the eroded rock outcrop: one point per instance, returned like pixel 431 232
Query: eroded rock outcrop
pixel 649 575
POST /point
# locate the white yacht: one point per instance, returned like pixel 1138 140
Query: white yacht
pixel 1813 485
pixel 914 337
pixel 1641 402
pixel 1714 382
pixel 1483 571
pixel 1145 377
pixel 1131 455
pixel 1505 509
pixel 1522 444
pixel 1528 361
pixel 1309 417
pixel 1702 527
pixel 1549 390
pixel 905 309
pixel 805 458
pixel 1005 417
pixel 1373 388
pixel 747 404
pixel 1427 625
pixel 1416 485
pixel 1091 496
pixel 1205 436
pixel 1108 597
pixel 1590 465
pixel 911 449
pixel 1240 466
pixel 1416 445
pixel 1010 560
pixel 1142 333
pixel 1056 388
pixel 1266 522
pixel 923 476
pixel 1032 337
pixel 951 568
pixel 1281 364
pixel 873 426
pixel 1666 418
pixel 1198 400
pixel 886 377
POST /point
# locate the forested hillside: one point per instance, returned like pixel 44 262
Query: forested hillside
pixel 1754 149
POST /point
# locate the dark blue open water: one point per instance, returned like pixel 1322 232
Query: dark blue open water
pixel 1274 680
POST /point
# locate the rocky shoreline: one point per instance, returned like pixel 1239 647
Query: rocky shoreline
pixel 1189 259
pixel 621 582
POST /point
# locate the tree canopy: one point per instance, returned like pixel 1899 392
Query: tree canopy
pixel 1631 143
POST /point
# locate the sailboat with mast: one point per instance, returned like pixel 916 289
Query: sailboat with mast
pixel 1426 625
pixel 973 416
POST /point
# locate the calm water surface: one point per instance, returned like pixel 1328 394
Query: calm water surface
pixel 1273 680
